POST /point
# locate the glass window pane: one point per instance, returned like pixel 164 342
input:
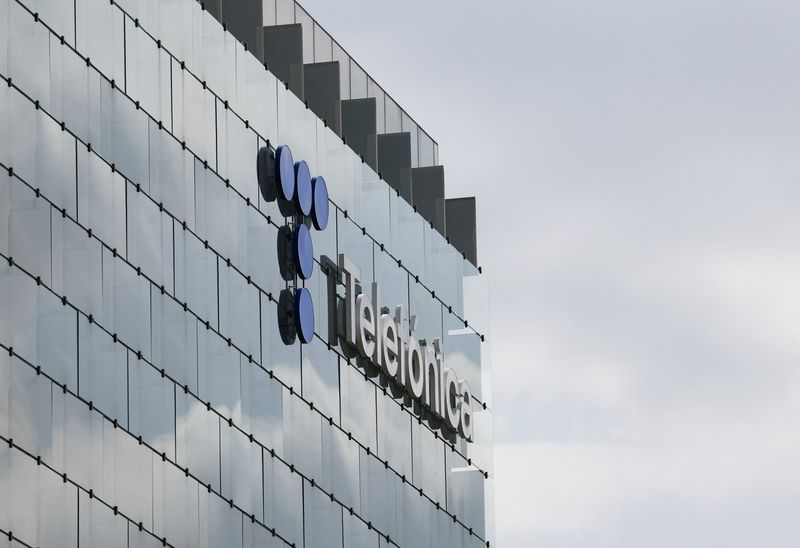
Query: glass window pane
pixel 426 150
pixel 152 407
pixel 302 17
pixel 444 270
pixel 282 359
pixel 340 469
pixel 297 127
pixel 285 11
pixel 394 120
pixel 372 204
pixel 129 475
pixel 427 310
pixel 214 55
pixel 283 499
pixel 56 14
pixel 408 237
pixel 175 341
pixel 171 175
pixel 218 373
pixel 394 434
pixel 379 494
pixel 98 526
pixel 357 535
pixel 428 452
pixel 241 471
pixel 221 217
pixel 256 535
pixel 323 519
pixel 374 90
pixel 196 276
pixel 37 325
pixel 238 311
pixel 340 167
pixel 237 148
pixel 147 73
pixel 321 376
pixel 141 539
pixel 36 505
pixel 323 45
pixel 18 124
pixel 54 163
pixel 29 236
pixel 257 93
pixel 344 69
pixel 260 248
pixel 175 505
pixel 103 371
pixel 465 493
pixel 411 127
pixel 126 303
pixel 302 437
pixel 31 409
pixel 357 247
pixel 194 115
pixel 99 36
pixel 358 405
pixel 101 200
pixel 128 135
pixel 27 51
pixel 358 81
pixel 270 13
pixel 262 407
pixel 150 238
pixel 198 439
pixel 462 351
pixel 476 298
pixel 220 525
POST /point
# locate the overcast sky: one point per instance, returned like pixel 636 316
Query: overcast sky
pixel 637 168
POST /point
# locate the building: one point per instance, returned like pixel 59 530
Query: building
pixel 236 308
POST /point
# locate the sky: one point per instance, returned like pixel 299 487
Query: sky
pixel 637 170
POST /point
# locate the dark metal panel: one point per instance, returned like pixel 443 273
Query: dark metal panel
pixel 323 93
pixel 243 19
pixel 283 53
pixel 427 189
pixel 359 128
pixel 394 161
pixel 461 226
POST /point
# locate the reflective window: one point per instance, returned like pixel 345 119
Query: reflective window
pixel 139 280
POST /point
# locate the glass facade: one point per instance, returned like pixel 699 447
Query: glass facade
pixel 146 396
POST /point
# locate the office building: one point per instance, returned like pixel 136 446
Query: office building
pixel 217 234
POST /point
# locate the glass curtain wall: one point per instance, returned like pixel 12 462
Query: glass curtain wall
pixel 146 397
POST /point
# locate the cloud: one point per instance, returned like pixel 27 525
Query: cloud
pixel 637 174
pixel 698 459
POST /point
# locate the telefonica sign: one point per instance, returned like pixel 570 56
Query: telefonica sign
pixel 386 340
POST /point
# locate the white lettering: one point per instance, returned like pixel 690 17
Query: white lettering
pixel 366 326
pixel 391 343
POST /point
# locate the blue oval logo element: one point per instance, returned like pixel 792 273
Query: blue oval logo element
pixel 303 251
pixel 284 171
pixel 302 191
pixel 320 207
pixel 304 315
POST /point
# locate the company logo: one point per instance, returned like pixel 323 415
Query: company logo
pixel 387 342
pixel 303 201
